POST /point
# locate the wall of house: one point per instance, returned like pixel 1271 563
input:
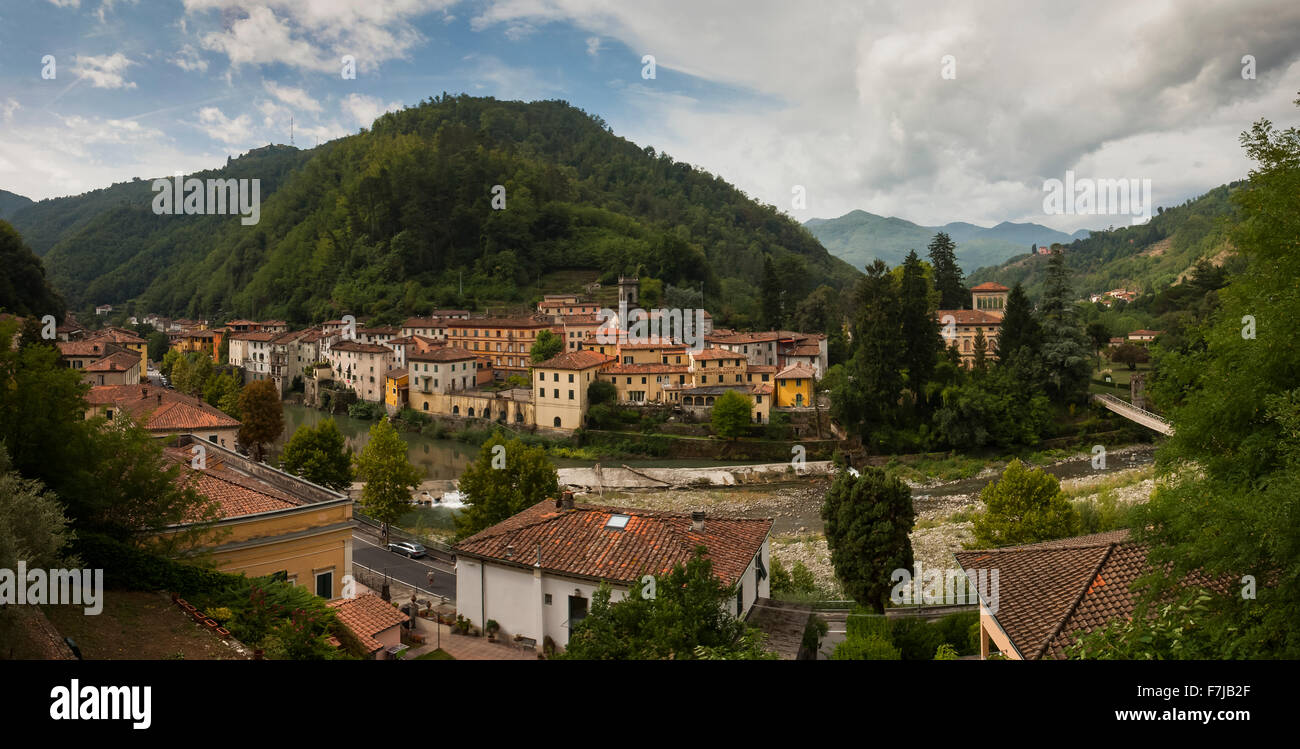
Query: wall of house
pixel 549 406
pixel 472 405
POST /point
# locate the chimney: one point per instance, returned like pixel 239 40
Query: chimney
pixel 697 520
pixel 144 392
pixel 159 396
pixel 566 500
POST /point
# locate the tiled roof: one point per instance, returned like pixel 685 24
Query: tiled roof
pixel 117 335
pixel 630 369
pixel 666 345
pixel 989 286
pixel 83 348
pixel 1049 593
pixel 499 322
pixel 367 615
pixel 968 317
pixel 380 330
pixel 397 373
pixel 574 360
pixel 121 361
pixel 796 371
pixel 361 348
pixel 442 353
pixel 761 368
pixel 159 409
pixel 580 320
pixel 716 353
pixel 808 349
pixel 577 542
pixel 261 336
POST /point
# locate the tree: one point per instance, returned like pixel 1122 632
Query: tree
pixel 865 399
pixel 1130 354
pixel 320 455
pixel 732 415
pixel 263 416
pixel 771 295
pixel 980 347
pixel 1024 506
pixel 868 519
pixel 920 336
pixel 503 482
pixel 546 346
pixel 947 273
pixel 1064 345
pixel 159 345
pixel 687 618
pixel 169 360
pixel 221 388
pixel 388 475
pixel 33 528
pixel 1019 329
pixel 1098 334
pixel 600 391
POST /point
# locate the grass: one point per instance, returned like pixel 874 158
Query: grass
pixel 950 468
pixel 435 655
pixel 1110 483
pixel 137 625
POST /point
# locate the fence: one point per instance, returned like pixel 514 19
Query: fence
pixel 442 550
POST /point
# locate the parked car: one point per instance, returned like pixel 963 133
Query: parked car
pixel 411 550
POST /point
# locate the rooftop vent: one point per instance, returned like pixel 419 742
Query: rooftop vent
pixel 697 520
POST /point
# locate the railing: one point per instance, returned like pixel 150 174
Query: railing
pixel 1124 408
pixel 394 532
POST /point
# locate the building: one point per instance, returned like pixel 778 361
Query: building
pixel 164 412
pixel 535 573
pixel 81 354
pixel 361 366
pixel 507 341
pixel 959 327
pixel 200 339
pixel 268 521
pixel 1049 593
pixel 1144 337
pixel 433 326
pixel 794 387
pixel 126 339
pixel 376 622
pixel 561 384
pixel 556 305
pixel 121 368
pixel 776 348
pixel 396 389
pixel 257 365
pixel 441 370
pixel 402 344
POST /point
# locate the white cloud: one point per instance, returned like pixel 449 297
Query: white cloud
pixel 66 3
pixel 189 59
pixel 231 131
pixel 593 45
pixel 363 110
pixel 848 100
pixel 294 97
pixel 8 108
pixel 105 71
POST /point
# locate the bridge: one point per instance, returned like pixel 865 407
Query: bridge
pixel 1135 414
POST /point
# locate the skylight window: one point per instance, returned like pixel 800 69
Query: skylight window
pixel 617 522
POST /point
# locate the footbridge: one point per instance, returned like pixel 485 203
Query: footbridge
pixel 1135 414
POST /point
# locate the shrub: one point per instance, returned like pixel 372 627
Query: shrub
pixel 955 630
pixel 945 652
pixel 865 649
pixel 1025 506
pixel 915 638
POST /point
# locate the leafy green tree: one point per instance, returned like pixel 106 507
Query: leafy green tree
pixel 24 289
pixel 159 345
pixel 262 413
pixel 220 388
pixel 947 273
pixel 1024 506
pixel 600 391
pixel 731 415
pixel 503 482
pixel 388 475
pixel 980 348
pixel 689 617
pixel 33 527
pixel 771 293
pixel 546 346
pixel 995 409
pixel 1130 354
pixel 868 518
pixel 320 455
pixel 865 398
pixel 168 365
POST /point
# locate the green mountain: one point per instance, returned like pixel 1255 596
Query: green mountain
pixel 398 219
pixel 1145 258
pixel 859 237
pixel 10 203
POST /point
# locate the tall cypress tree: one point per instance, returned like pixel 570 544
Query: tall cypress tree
pixel 1064 348
pixel 1019 328
pixel 921 341
pixel 867 399
pixel 947 273
pixel 771 296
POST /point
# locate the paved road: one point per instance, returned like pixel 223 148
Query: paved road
pixel 413 572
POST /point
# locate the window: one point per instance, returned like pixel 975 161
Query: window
pixel 325 584
pixel 570 395
pixel 212 438
pixel 577 610
pixel 548 599
pixel 570 377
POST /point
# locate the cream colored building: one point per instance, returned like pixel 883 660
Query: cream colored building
pixel 560 386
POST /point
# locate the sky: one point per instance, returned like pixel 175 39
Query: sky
pixel 933 112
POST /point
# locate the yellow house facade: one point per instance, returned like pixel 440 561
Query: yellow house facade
pixel 794 387
pixel 560 388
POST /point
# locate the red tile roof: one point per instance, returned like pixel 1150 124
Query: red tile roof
pixel 630 369
pixel 121 361
pixel 361 348
pixel 367 616
pixel 86 348
pixel 442 353
pixel 717 353
pixel 968 317
pixel 159 409
pixel 989 286
pixel 582 359
pixel 577 542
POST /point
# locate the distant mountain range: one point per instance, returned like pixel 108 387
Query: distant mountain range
pixel 859 237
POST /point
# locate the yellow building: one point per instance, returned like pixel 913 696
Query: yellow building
pixel 506 341
pixel 560 386
pixel 396 389
pixel 794 387
pixel 716 366
pixel 959 327
pixel 126 339
pixel 269 521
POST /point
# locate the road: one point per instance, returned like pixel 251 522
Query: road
pixel 414 572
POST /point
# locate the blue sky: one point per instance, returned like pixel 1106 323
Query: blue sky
pixel 844 99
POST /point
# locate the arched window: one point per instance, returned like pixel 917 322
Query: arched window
pixel 455 410
pixel 519 417
pixel 426 405
pixel 557 421
pixel 708 401
pixel 471 413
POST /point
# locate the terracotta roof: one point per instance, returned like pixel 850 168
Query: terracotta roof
pixel 236 494
pixel 577 542
pixel 117 335
pixel 580 320
pixel 361 348
pixel 666 345
pixel 499 322
pixel 809 349
pixel 968 317
pixel 1145 333
pixel 396 373
pixel 716 353
pixel 442 353
pixel 647 369
pixel 582 359
pixel 1050 593
pixel 159 409
pixel 367 615
pixel 381 330
pixel 261 336
pixel 761 368
pixel 85 348
pixel 796 371
pixel 121 361
pixel 990 286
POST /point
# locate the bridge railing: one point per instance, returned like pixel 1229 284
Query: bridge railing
pixel 1125 405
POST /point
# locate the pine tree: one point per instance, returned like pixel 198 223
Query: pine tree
pixel 947 273
pixel 981 348
pixel 920 335
pixel 1019 329
pixel 1064 344
pixel 866 399
pixel 868 518
pixel 771 296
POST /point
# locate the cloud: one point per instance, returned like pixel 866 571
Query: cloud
pixel 105 71
pixel 315 35
pixel 66 3
pixel 849 101
pixel 230 131
pixel 364 110
pixel 489 75
pixel 189 59
pixel 8 108
pixel 593 45
pixel 294 97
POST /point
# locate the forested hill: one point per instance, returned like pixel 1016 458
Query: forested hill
pixel 24 290
pixel 1145 258
pixel 394 220
pixel 11 203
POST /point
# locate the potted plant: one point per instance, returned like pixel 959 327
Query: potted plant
pixel 223 633
pixel 492 627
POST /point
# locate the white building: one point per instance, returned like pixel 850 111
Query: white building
pixel 535 573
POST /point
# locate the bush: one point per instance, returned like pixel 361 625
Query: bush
pixel 945 652
pixel 955 630
pixel 865 649
pixel 915 638
pixel 1024 506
